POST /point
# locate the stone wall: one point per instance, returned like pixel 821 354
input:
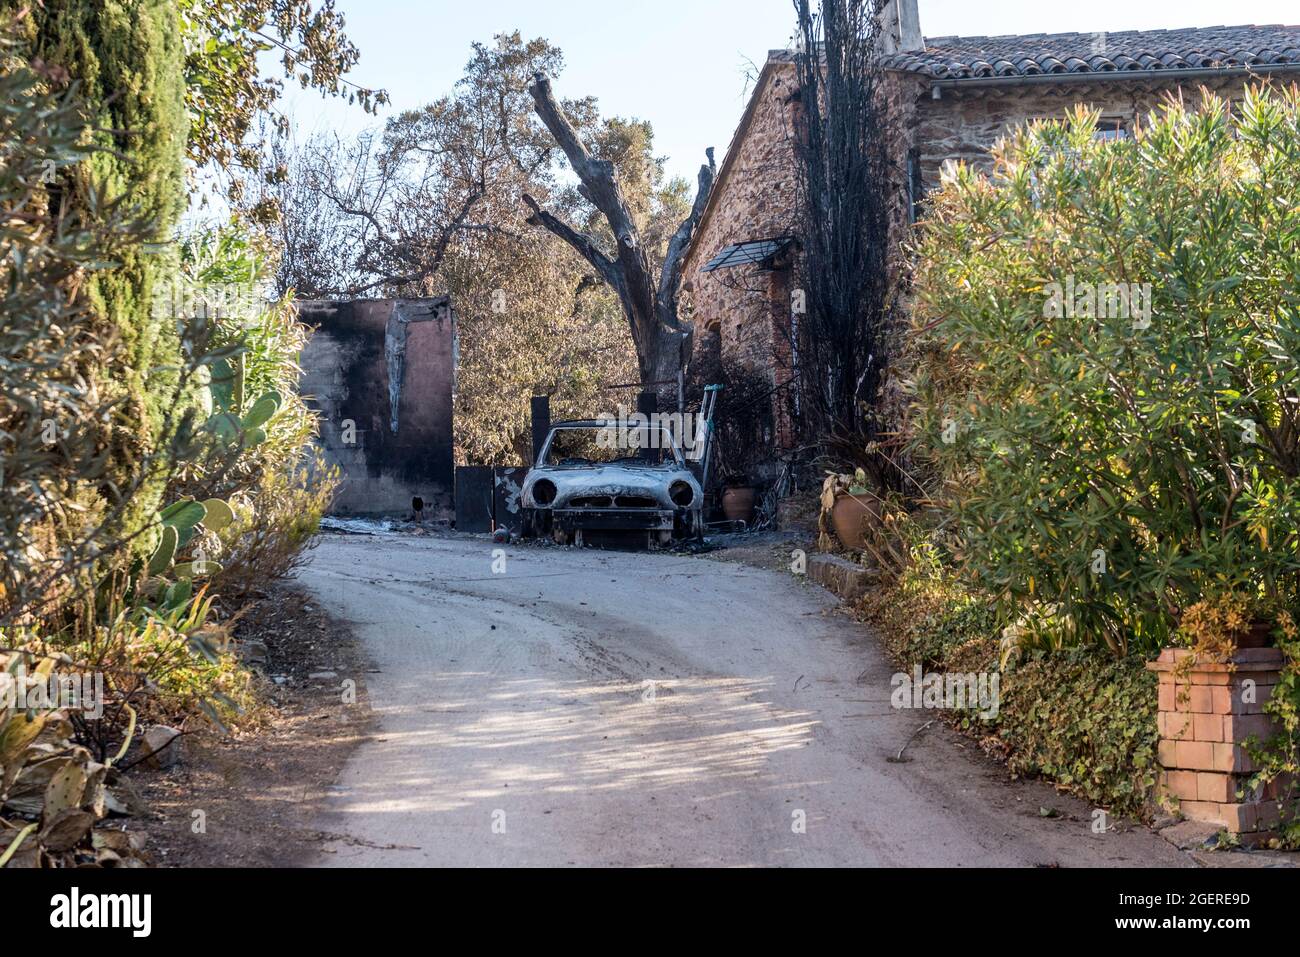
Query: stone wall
pixel 733 308
pixel 964 123
pixel 381 375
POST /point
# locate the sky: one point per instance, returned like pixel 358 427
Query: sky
pixel 681 64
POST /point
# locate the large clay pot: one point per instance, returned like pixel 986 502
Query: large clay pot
pixel 1259 636
pixel 850 514
pixel 738 504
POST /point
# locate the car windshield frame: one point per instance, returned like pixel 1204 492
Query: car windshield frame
pixel 667 444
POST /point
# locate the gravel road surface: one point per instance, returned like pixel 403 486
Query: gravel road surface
pixel 604 708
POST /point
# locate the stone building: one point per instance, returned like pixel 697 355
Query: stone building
pixel 953 98
pixel 381 374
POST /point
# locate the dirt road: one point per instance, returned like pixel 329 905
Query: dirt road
pixel 601 708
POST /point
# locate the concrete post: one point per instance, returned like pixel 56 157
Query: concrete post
pixel 541 408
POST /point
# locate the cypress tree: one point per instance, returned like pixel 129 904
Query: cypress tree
pixel 126 58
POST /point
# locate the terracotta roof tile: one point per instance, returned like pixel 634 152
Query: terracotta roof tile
pixel 950 58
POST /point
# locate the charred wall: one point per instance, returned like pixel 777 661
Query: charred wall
pixel 381 374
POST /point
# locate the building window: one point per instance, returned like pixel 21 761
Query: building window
pixel 1111 128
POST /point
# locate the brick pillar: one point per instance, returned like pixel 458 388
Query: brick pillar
pixel 1207 711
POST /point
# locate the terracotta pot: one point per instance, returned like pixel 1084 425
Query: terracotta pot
pixel 738 504
pixel 1259 636
pixel 848 518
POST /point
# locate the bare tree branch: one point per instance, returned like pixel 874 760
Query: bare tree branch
pixel 583 244
pixel 670 279
pixel 650 308
pixel 599 178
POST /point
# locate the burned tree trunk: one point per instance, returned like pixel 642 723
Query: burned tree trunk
pixel 663 340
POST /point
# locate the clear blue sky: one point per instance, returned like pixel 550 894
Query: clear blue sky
pixel 679 63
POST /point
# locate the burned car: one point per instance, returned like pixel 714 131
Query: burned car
pixel 593 479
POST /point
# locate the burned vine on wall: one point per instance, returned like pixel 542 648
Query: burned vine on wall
pixel 844 172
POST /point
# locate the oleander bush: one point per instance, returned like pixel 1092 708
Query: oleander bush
pixel 1106 377
pixel 1106 421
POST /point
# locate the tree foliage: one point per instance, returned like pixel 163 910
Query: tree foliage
pixel 225 91
pixel 431 206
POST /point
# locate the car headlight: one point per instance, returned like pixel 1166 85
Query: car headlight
pixel 544 493
pixel 682 494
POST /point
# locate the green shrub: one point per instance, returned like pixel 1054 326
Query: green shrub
pixel 69 505
pixel 124 60
pixel 277 519
pixel 1108 462
pixel 1081 718
pixel 276 482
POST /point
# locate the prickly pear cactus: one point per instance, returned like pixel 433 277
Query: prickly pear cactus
pixel 229 427
pixel 180 522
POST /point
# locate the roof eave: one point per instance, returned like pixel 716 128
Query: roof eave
pixel 729 161
pixel 1102 76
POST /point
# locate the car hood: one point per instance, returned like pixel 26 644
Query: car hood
pixel 612 480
